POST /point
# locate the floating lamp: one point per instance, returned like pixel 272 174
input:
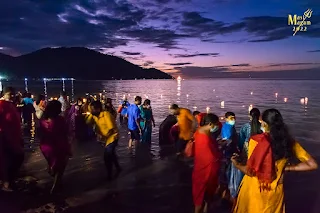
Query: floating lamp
pixel 250 107
pixel 222 104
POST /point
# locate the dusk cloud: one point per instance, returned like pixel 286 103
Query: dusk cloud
pixel 178 64
pixel 291 64
pixel 147 63
pixel 131 53
pixel 194 55
pixel 240 65
pixel 313 51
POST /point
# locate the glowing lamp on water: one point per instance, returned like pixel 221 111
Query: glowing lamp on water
pixel 285 100
pixel 304 101
pixel 222 104
pixel 208 109
pixel 250 107
pixel 251 93
pixel 194 107
pixel 187 95
pixel 276 94
pixel 161 96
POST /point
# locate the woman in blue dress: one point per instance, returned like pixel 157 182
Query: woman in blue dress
pixel 147 121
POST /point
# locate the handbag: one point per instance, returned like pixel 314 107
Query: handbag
pixel 189 150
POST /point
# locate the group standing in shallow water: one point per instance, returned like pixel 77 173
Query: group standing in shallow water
pixel 246 169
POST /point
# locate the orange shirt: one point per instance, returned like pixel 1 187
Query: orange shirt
pixel 185 122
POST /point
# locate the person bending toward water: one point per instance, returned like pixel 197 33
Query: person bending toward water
pixel 134 118
pixel 106 127
pixel 268 156
pixel 11 141
pixel 165 130
pixel 187 126
pixel 146 122
pixel 54 142
pixel 206 168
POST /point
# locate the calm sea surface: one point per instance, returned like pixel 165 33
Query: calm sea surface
pixel 303 117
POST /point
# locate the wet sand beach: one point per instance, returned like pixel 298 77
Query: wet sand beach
pixel 146 185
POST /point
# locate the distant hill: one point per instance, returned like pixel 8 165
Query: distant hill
pixel 74 62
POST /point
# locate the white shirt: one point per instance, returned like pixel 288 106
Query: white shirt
pixel 64 104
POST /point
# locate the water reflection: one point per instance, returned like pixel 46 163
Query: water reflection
pixel 30 134
pixel 195 96
pixel 304 102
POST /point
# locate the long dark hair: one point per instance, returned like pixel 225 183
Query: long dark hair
pixel 52 110
pixel 280 138
pixel 255 124
pixel 39 99
pixel 209 118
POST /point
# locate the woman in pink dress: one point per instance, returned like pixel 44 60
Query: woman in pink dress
pixel 54 141
pixel 11 141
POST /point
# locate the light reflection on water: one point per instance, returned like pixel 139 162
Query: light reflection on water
pixel 218 95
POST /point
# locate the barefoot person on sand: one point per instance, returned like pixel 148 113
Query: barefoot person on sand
pixel 268 156
pixel 54 142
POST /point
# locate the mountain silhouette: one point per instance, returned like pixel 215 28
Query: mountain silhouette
pixel 74 62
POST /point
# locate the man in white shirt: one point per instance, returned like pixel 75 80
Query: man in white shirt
pixel 65 105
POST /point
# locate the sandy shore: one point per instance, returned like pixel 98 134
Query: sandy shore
pixel 146 185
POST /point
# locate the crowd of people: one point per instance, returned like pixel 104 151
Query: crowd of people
pixel 245 169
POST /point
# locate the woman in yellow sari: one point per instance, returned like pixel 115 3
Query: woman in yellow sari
pixel 261 190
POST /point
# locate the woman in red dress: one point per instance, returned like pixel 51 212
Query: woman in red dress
pixel 206 163
pixel 54 141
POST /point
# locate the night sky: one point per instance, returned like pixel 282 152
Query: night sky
pixel 191 38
